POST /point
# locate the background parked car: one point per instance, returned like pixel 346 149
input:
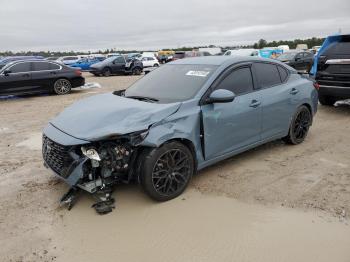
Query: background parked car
pixel 34 76
pixel 300 60
pixel 332 69
pixel 85 63
pixel 149 61
pixel 242 52
pixel 117 65
pixel 68 60
pixel 6 60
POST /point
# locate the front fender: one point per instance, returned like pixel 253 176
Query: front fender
pixel 184 127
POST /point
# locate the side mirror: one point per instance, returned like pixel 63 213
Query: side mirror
pixel 7 72
pixel 221 96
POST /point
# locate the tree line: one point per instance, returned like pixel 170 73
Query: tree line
pixel 314 41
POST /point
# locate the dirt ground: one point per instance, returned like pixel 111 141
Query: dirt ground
pixel 273 203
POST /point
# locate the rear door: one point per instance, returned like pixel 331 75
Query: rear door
pixel 278 98
pixel 17 80
pixel 43 75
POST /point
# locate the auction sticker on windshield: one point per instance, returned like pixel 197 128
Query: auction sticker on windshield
pixel 197 73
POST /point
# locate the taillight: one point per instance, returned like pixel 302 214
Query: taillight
pixel 77 72
pixel 316 86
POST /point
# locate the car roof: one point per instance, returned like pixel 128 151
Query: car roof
pixel 31 60
pixel 220 60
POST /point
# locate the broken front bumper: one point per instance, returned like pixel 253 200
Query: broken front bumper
pixel 58 150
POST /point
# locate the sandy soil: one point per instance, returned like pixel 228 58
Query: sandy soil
pixel 273 203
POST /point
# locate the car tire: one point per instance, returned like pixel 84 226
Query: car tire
pixel 299 126
pixel 326 100
pixel 156 65
pixel 62 86
pixel 106 72
pixel 166 171
pixel 136 71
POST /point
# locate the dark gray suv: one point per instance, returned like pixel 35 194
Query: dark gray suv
pixel 118 65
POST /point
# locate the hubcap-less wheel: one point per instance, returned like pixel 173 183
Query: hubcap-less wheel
pixel 106 72
pixel 137 71
pixel 171 172
pixel 62 86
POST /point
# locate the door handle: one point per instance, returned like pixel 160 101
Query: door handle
pixel 255 103
pixel 294 91
pixel 26 75
pixel 53 73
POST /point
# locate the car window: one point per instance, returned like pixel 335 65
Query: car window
pixel 283 73
pixel 182 82
pixel 299 55
pixel 267 74
pixel 54 66
pixel 239 81
pixel 39 66
pixel 119 59
pixel 338 48
pixel 20 67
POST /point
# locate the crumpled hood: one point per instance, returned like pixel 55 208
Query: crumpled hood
pixel 104 115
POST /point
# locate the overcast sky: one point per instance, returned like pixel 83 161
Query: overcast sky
pixel 139 24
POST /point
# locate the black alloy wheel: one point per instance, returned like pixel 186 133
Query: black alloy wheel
pixel 300 125
pixel 167 171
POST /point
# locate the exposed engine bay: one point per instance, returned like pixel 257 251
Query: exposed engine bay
pixel 103 165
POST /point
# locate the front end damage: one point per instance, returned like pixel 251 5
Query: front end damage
pixel 94 167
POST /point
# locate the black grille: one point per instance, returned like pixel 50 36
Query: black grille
pixel 56 156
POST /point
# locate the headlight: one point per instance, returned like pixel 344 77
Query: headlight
pixel 91 153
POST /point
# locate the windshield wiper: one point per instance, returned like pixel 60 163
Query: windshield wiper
pixel 144 98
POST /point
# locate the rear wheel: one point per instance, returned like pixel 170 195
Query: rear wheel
pixel 299 127
pixel 326 100
pixel 137 71
pixel 166 171
pixel 62 86
pixel 155 65
pixel 106 71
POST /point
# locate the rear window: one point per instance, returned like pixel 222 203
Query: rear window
pixel 39 66
pixel 339 48
pixel 267 74
pixel 283 73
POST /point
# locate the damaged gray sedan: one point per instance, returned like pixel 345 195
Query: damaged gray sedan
pixel 178 119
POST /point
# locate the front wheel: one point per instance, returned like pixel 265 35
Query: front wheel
pixel 166 171
pixel 62 86
pixel 106 72
pixel 299 126
pixel 137 71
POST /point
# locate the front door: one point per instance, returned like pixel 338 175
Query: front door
pixel 118 65
pixel 16 79
pixel 230 126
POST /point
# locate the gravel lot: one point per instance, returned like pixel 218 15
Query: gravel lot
pixel 294 189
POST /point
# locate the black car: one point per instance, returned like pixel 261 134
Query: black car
pixel 118 65
pixel 333 71
pixel 299 60
pixel 34 76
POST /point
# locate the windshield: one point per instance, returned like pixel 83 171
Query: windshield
pixel 172 83
pixel 286 56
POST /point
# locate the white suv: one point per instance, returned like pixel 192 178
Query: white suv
pixel 150 62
